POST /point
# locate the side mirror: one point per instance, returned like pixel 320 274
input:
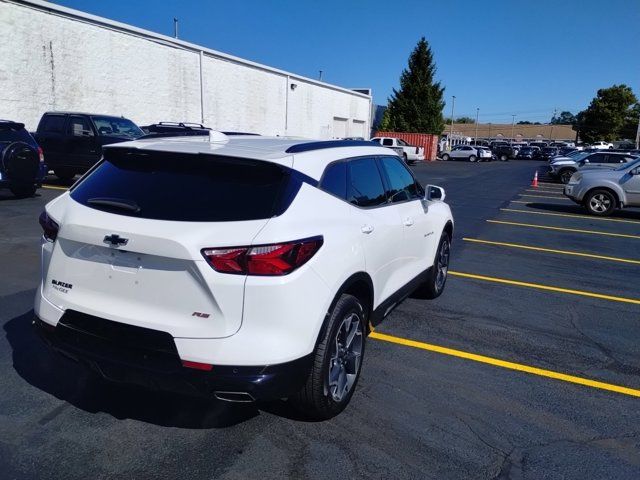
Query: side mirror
pixel 434 193
pixel 586 160
pixel 635 171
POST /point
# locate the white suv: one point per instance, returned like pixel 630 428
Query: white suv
pixel 237 267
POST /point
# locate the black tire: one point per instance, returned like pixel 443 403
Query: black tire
pixel 565 175
pixel 23 192
pixel 601 203
pixel 472 158
pixel 504 157
pixel 445 157
pixel 316 399
pixel 64 174
pixel 433 286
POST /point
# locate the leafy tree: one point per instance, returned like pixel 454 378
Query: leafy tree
pixel 417 106
pixel 465 120
pixel 565 118
pixel 609 115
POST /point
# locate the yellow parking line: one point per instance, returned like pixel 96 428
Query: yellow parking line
pixel 552 250
pixel 518 201
pixel 549 288
pixel 575 230
pixel 570 215
pixel 544 196
pixel 506 364
pixel 542 191
pixel 53 187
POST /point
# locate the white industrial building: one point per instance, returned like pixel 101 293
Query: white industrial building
pixel 56 58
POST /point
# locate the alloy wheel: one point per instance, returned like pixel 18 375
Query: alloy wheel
pixel 346 355
pixel 600 203
pixel 442 264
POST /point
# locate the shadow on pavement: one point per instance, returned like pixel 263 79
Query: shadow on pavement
pixel 67 380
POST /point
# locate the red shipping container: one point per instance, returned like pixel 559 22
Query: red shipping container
pixel 425 140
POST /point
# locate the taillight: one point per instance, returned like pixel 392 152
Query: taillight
pixel 274 259
pixel 49 227
pixel 41 154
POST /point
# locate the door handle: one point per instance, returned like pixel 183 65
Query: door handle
pixel 367 228
pixel 408 222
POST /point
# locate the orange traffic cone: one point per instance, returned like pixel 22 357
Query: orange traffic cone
pixel 535 180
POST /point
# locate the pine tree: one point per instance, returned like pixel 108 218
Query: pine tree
pixel 417 106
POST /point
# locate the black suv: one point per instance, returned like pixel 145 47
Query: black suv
pixel 503 152
pixel 21 160
pixel 72 142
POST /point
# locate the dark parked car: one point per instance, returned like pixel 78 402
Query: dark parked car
pixel 564 150
pixel 529 153
pixel 72 142
pixel 548 152
pixel 21 160
pixel 503 152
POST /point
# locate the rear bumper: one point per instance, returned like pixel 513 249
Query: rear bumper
pixel 148 358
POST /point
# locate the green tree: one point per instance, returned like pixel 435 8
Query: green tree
pixel 417 106
pixel 609 114
pixel 565 118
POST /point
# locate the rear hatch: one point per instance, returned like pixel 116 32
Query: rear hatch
pixel 131 233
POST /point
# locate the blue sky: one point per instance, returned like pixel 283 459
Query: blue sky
pixel 504 57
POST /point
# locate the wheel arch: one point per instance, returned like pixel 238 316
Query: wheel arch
pixel 360 286
pixel 616 195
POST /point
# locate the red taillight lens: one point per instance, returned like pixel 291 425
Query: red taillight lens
pixel 274 259
pixel 197 365
pixel 49 227
pixel 41 154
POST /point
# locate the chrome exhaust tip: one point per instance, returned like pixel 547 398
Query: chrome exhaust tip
pixel 236 397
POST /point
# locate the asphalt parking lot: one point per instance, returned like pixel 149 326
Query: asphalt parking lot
pixel 528 366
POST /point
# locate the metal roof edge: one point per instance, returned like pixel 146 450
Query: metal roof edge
pixel 169 41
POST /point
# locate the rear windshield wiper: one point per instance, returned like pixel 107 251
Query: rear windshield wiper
pixel 120 203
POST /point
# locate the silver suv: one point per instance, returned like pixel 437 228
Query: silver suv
pixel 603 191
pixel 564 168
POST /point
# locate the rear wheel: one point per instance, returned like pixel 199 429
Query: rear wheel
pixel 565 175
pixel 446 157
pixel 337 362
pixel 472 158
pixel 504 157
pixel 601 202
pixel 437 277
pixel 64 174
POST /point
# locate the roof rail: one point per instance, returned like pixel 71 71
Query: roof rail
pixel 319 145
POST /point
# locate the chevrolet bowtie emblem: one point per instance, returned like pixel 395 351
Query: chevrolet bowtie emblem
pixel 115 240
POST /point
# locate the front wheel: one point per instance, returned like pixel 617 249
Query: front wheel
pixel 472 158
pixel 337 362
pixel 437 276
pixel 504 157
pixel 445 157
pixel 600 203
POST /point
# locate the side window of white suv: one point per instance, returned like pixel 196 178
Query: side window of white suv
pixel 402 185
pixel 364 184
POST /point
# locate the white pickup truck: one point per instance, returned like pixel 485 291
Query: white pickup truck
pixel 410 153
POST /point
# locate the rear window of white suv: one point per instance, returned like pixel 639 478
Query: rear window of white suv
pixel 184 187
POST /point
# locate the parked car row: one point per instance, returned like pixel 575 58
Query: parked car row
pixel 563 168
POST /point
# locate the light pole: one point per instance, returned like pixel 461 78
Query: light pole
pixel 552 120
pixel 476 138
pixel 513 126
pixel 451 130
pixel 489 131
pixel 638 135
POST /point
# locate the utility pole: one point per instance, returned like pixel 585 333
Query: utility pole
pixel 175 27
pixel 552 119
pixel 638 135
pixel 513 126
pixel 476 138
pixel 320 75
pixel 451 130
pixel 489 131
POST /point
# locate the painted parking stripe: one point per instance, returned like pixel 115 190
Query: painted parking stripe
pixel 505 364
pixel 570 215
pixel 535 190
pixel 557 197
pixel 552 250
pixel 549 288
pixel 54 187
pixel 561 229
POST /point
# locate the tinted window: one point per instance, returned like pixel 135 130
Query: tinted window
pixel 387 141
pixel 376 140
pixel 79 127
pixel 115 126
pixel 334 180
pixel 402 142
pixel 402 186
pixel 596 158
pixel 52 124
pixel 14 134
pixel 203 188
pixel 365 185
